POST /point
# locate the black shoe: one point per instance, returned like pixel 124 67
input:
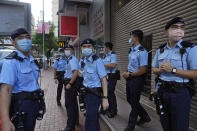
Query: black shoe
pixel 142 121
pixel 68 129
pixel 59 103
pixel 111 115
pixel 129 128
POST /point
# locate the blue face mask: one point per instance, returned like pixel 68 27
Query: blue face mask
pixel 130 42
pixel 62 54
pixel 24 45
pixel 87 51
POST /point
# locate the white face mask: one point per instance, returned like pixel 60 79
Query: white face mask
pixel 176 34
pixel 67 53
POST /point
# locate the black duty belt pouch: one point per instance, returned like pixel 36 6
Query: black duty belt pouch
pixel 112 76
pixel 78 83
pixel 95 91
pixel 192 87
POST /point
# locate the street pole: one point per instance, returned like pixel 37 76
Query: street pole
pixel 43 32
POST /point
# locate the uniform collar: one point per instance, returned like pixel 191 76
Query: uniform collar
pixel 90 58
pixel 109 53
pixel 178 45
pixel 23 56
pixel 61 58
pixel 136 48
pixel 68 58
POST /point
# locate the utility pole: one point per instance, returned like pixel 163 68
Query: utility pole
pixel 43 32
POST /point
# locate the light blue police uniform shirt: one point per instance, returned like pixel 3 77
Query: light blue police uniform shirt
pixel 71 66
pixel 137 58
pixel 22 76
pixel 93 72
pixel 110 58
pixel 173 56
pixel 60 65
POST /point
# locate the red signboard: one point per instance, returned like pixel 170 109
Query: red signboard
pixel 69 26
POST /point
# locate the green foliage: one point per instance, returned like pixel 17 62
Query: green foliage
pixel 49 43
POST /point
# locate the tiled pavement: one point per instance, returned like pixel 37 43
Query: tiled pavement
pixel 55 117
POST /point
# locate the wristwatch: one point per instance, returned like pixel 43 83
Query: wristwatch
pixel 174 70
pixel 130 74
pixel 105 97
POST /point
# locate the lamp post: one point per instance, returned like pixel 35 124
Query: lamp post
pixel 43 32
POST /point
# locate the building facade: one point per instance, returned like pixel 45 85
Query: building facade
pixel 151 17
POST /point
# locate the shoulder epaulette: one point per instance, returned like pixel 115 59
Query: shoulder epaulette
pixel 141 48
pixel 14 55
pixel 186 44
pixel 113 52
pixel 58 59
pixel 161 47
pixel 129 50
pixel 94 57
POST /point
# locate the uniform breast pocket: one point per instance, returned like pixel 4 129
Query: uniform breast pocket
pixel 91 73
pixel 26 74
pixel 176 61
pixel 162 59
pixel 133 60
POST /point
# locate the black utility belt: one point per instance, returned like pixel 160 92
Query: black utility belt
pixel 135 77
pixel 97 91
pixel 112 75
pixel 60 72
pixel 35 95
pixel 173 84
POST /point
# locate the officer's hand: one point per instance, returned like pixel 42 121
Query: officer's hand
pixel 105 104
pixel 125 75
pixel 56 81
pixel 7 126
pixel 68 86
pixel 166 67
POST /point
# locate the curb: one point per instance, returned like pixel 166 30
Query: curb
pixel 109 125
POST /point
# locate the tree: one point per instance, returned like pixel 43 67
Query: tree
pixel 49 43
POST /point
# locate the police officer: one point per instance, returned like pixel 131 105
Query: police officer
pixel 175 63
pixel 70 76
pixel 110 63
pixel 137 67
pixel 59 70
pixel 95 82
pixel 18 80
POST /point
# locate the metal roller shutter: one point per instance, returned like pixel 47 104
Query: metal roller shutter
pixel 151 17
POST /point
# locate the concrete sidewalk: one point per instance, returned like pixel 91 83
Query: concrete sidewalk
pixel 56 117
pixel 119 122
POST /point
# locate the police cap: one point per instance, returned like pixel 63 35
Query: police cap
pixel 174 21
pixel 18 32
pixel 87 41
pixel 68 46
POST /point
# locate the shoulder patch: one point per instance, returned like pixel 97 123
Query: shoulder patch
pixel 14 55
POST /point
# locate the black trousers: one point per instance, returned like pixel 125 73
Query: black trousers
pixel 60 78
pixel 111 95
pixel 134 87
pixel 31 109
pixel 71 106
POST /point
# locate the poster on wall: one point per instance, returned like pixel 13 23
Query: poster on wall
pixel 69 26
